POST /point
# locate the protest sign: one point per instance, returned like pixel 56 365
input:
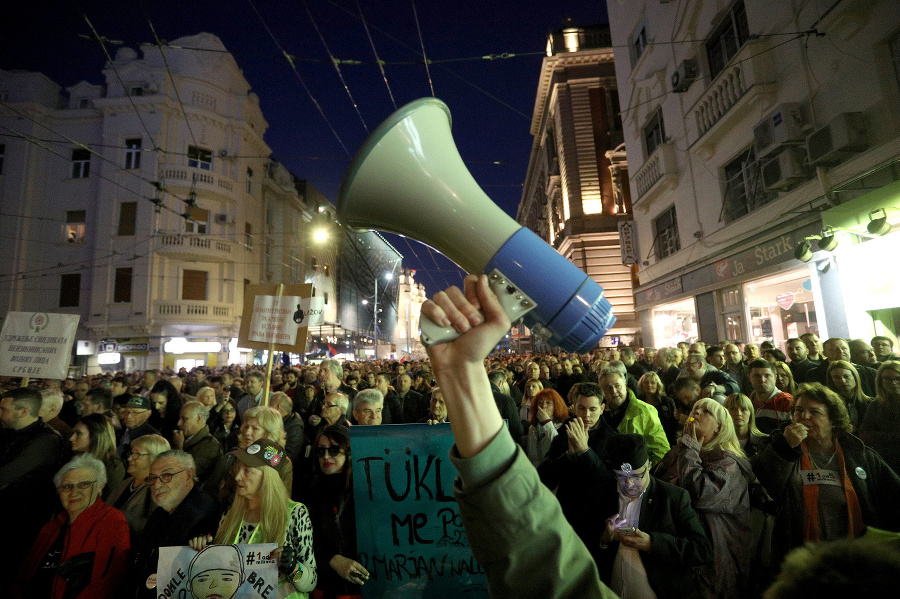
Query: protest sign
pixel 278 317
pixel 222 571
pixel 410 535
pixel 37 344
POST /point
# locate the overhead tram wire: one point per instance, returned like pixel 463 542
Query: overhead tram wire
pixel 169 72
pixel 100 39
pixel 375 52
pixel 290 60
pixel 337 67
pixel 422 43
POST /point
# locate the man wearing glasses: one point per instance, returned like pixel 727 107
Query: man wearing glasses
pixel 135 414
pixel 184 511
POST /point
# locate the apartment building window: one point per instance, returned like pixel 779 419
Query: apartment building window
pixel 296 270
pixel 654 132
pixel 197 221
pixel 84 103
pixel 132 154
pixel 727 39
pixel 70 290
pixel 193 285
pixel 200 158
pixel 2 156
pixel 248 236
pixel 249 180
pixel 122 285
pixel 75 226
pixel 665 234
pixel 127 218
pixel 313 263
pixel 638 44
pixel 744 190
pixel 136 90
pixel 81 163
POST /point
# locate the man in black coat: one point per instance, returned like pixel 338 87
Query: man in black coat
pixel 654 537
pixel 509 411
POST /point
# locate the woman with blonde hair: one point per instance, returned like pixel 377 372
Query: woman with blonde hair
pixel 710 465
pixel 262 512
pixel 743 416
pixel 843 378
pixel 529 390
pixel 260 422
pixel 652 391
pixel 94 434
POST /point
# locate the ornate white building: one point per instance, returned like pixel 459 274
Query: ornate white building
pixel 753 129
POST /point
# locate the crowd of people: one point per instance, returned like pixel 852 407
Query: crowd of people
pixel 686 471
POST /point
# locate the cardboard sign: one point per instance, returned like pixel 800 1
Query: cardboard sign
pixel 223 571
pixel 37 344
pixel 409 532
pixel 280 319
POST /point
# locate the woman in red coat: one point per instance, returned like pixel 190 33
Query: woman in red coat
pixel 81 553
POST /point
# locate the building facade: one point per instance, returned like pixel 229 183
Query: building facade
pixel 572 197
pixel 147 204
pixel 753 130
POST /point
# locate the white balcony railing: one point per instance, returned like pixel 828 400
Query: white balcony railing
pixel 203 246
pixel 192 310
pixel 660 167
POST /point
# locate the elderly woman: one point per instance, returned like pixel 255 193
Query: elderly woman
pixel 880 429
pixel 260 422
pixel 262 512
pixel 437 409
pixel 132 497
pixel 828 484
pixel 546 414
pixel 82 552
pixel 94 434
pixel 333 516
pixel 843 378
pixel 652 391
pixel 744 418
pixel 709 464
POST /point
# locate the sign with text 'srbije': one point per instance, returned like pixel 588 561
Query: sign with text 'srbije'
pixel 37 344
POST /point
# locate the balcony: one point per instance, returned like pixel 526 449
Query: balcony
pixel 192 311
pixel 203 179
pixel 196 247
pixel 659 173
pixel 744 83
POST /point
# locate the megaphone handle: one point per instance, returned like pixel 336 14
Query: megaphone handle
pixel 514 301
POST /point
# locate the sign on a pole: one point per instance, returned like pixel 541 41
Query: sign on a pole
pixel 282 320
pixel 409 533
pixel 37 344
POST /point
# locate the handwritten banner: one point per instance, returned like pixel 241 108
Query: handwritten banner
pixel 225 571
pixel 409 532
pixel 37 344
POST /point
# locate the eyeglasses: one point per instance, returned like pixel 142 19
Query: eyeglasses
pixel 138 454
pixel 165 477
pixel 632 476
pixel 331 450
pixel 82 486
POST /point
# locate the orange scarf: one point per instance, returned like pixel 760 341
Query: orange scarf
pixel 811 499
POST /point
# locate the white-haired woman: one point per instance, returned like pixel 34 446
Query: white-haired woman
pixel 709 464
pixel 84 550
pixel 262 512
pixel 132 497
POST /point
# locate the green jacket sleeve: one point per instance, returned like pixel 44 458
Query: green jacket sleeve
pixel 517 530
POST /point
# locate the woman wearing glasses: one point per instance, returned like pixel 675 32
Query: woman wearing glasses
pixel 827 483
pixel 262 512
pixel 83 551
pixel 334 521
pixel 881 426
pixel 132 497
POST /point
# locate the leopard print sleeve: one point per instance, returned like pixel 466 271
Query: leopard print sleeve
pixel 299 536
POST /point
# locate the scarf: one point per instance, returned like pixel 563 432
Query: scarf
pixel 811 531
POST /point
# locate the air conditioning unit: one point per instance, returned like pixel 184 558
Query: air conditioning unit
pixel 684 75
pixel 223 219
pixel 223 153
pixel 785 170
pixel 837 141
pixel 782 126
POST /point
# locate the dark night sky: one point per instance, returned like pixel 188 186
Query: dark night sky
pixel 491 100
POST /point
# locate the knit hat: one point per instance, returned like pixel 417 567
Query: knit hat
pixel 627 452
pixel 217 557
pixel 262 452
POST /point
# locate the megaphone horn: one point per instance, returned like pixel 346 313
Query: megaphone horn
pixel 408 178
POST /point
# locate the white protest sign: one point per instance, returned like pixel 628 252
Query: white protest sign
pixel 37 344
pixel 225 571
pixel 278 317
pixel 273 319
pixel 314 311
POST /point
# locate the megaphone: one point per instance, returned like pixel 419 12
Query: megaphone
pixel 408 178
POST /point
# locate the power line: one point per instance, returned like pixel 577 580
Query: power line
pixel 375 52
pixel 422 43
